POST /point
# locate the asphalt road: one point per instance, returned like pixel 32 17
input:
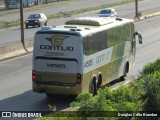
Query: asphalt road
pixel 13 35
pixel 57 7
pixel 15 74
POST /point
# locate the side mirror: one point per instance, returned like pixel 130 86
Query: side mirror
pixel 139 37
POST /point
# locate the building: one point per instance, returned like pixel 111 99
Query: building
pixel 26 3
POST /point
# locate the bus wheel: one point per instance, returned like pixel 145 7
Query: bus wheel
pixel 122 78
pixel 99 83
pixel 93 87
pixel 126 69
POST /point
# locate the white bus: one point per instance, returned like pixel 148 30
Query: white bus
pixel 83 54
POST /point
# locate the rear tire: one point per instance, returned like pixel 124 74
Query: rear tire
pixel 126 69
pixel 99 83
pixel 122 78
pixel 93 87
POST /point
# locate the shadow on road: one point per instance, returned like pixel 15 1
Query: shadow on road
pixel 29 101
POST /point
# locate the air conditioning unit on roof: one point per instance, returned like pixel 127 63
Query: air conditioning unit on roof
pixel 93 21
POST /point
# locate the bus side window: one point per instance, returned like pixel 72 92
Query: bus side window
pixel 95 43
pixel 98 42
pixel 86 45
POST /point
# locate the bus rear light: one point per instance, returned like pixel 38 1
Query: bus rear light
pixel 78 80
pixel 33 75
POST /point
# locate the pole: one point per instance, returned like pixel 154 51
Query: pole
pixel 136 10
pixel 21 24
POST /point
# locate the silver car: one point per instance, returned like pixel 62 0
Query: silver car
pixel 37 19
pixel 108 12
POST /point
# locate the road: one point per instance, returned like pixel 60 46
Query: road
pixel 13 35
pixel 15 74
pixel 55 8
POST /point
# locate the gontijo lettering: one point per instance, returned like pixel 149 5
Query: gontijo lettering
pixel 60 48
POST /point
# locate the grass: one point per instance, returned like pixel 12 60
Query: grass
pixel 7 24
pixel 3 11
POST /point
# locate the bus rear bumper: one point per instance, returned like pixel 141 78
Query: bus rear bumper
pixel 55 89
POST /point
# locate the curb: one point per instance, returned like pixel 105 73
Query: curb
pixel 15 49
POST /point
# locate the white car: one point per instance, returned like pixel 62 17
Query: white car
pixel 108 12
pixel 37 19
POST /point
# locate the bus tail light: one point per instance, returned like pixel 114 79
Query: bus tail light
pixel 33 75
pixel 78 80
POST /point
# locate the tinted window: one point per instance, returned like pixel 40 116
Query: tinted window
pixel 118 35
pixel 95 43
pixel 34 16
pixel 105 11
pixel 106 39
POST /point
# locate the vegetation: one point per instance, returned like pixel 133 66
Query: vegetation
pixel 6 24
pixel 122 99
pixel 149 82
pixel 142 96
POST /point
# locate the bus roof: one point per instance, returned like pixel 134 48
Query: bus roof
pixel 93 21
pixel 88 25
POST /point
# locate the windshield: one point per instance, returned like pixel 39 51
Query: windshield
pixel 105 11
pixel 35 16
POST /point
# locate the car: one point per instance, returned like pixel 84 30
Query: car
pixel 108 12
pixel 37 19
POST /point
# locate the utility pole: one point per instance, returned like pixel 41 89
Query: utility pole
pixel 21 24
pixel 136 10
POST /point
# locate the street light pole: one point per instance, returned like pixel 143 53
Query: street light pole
pixel 21 24
pixel 136 9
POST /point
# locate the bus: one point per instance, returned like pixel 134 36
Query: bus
pixel 83 54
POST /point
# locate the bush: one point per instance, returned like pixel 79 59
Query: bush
pixel 150 91
pixel 143 95
pixel 86 102
pixel 121 99
pixel 151 68
pixel 149 83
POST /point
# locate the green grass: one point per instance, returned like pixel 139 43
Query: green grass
pixel 6 24
pixel 3 11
